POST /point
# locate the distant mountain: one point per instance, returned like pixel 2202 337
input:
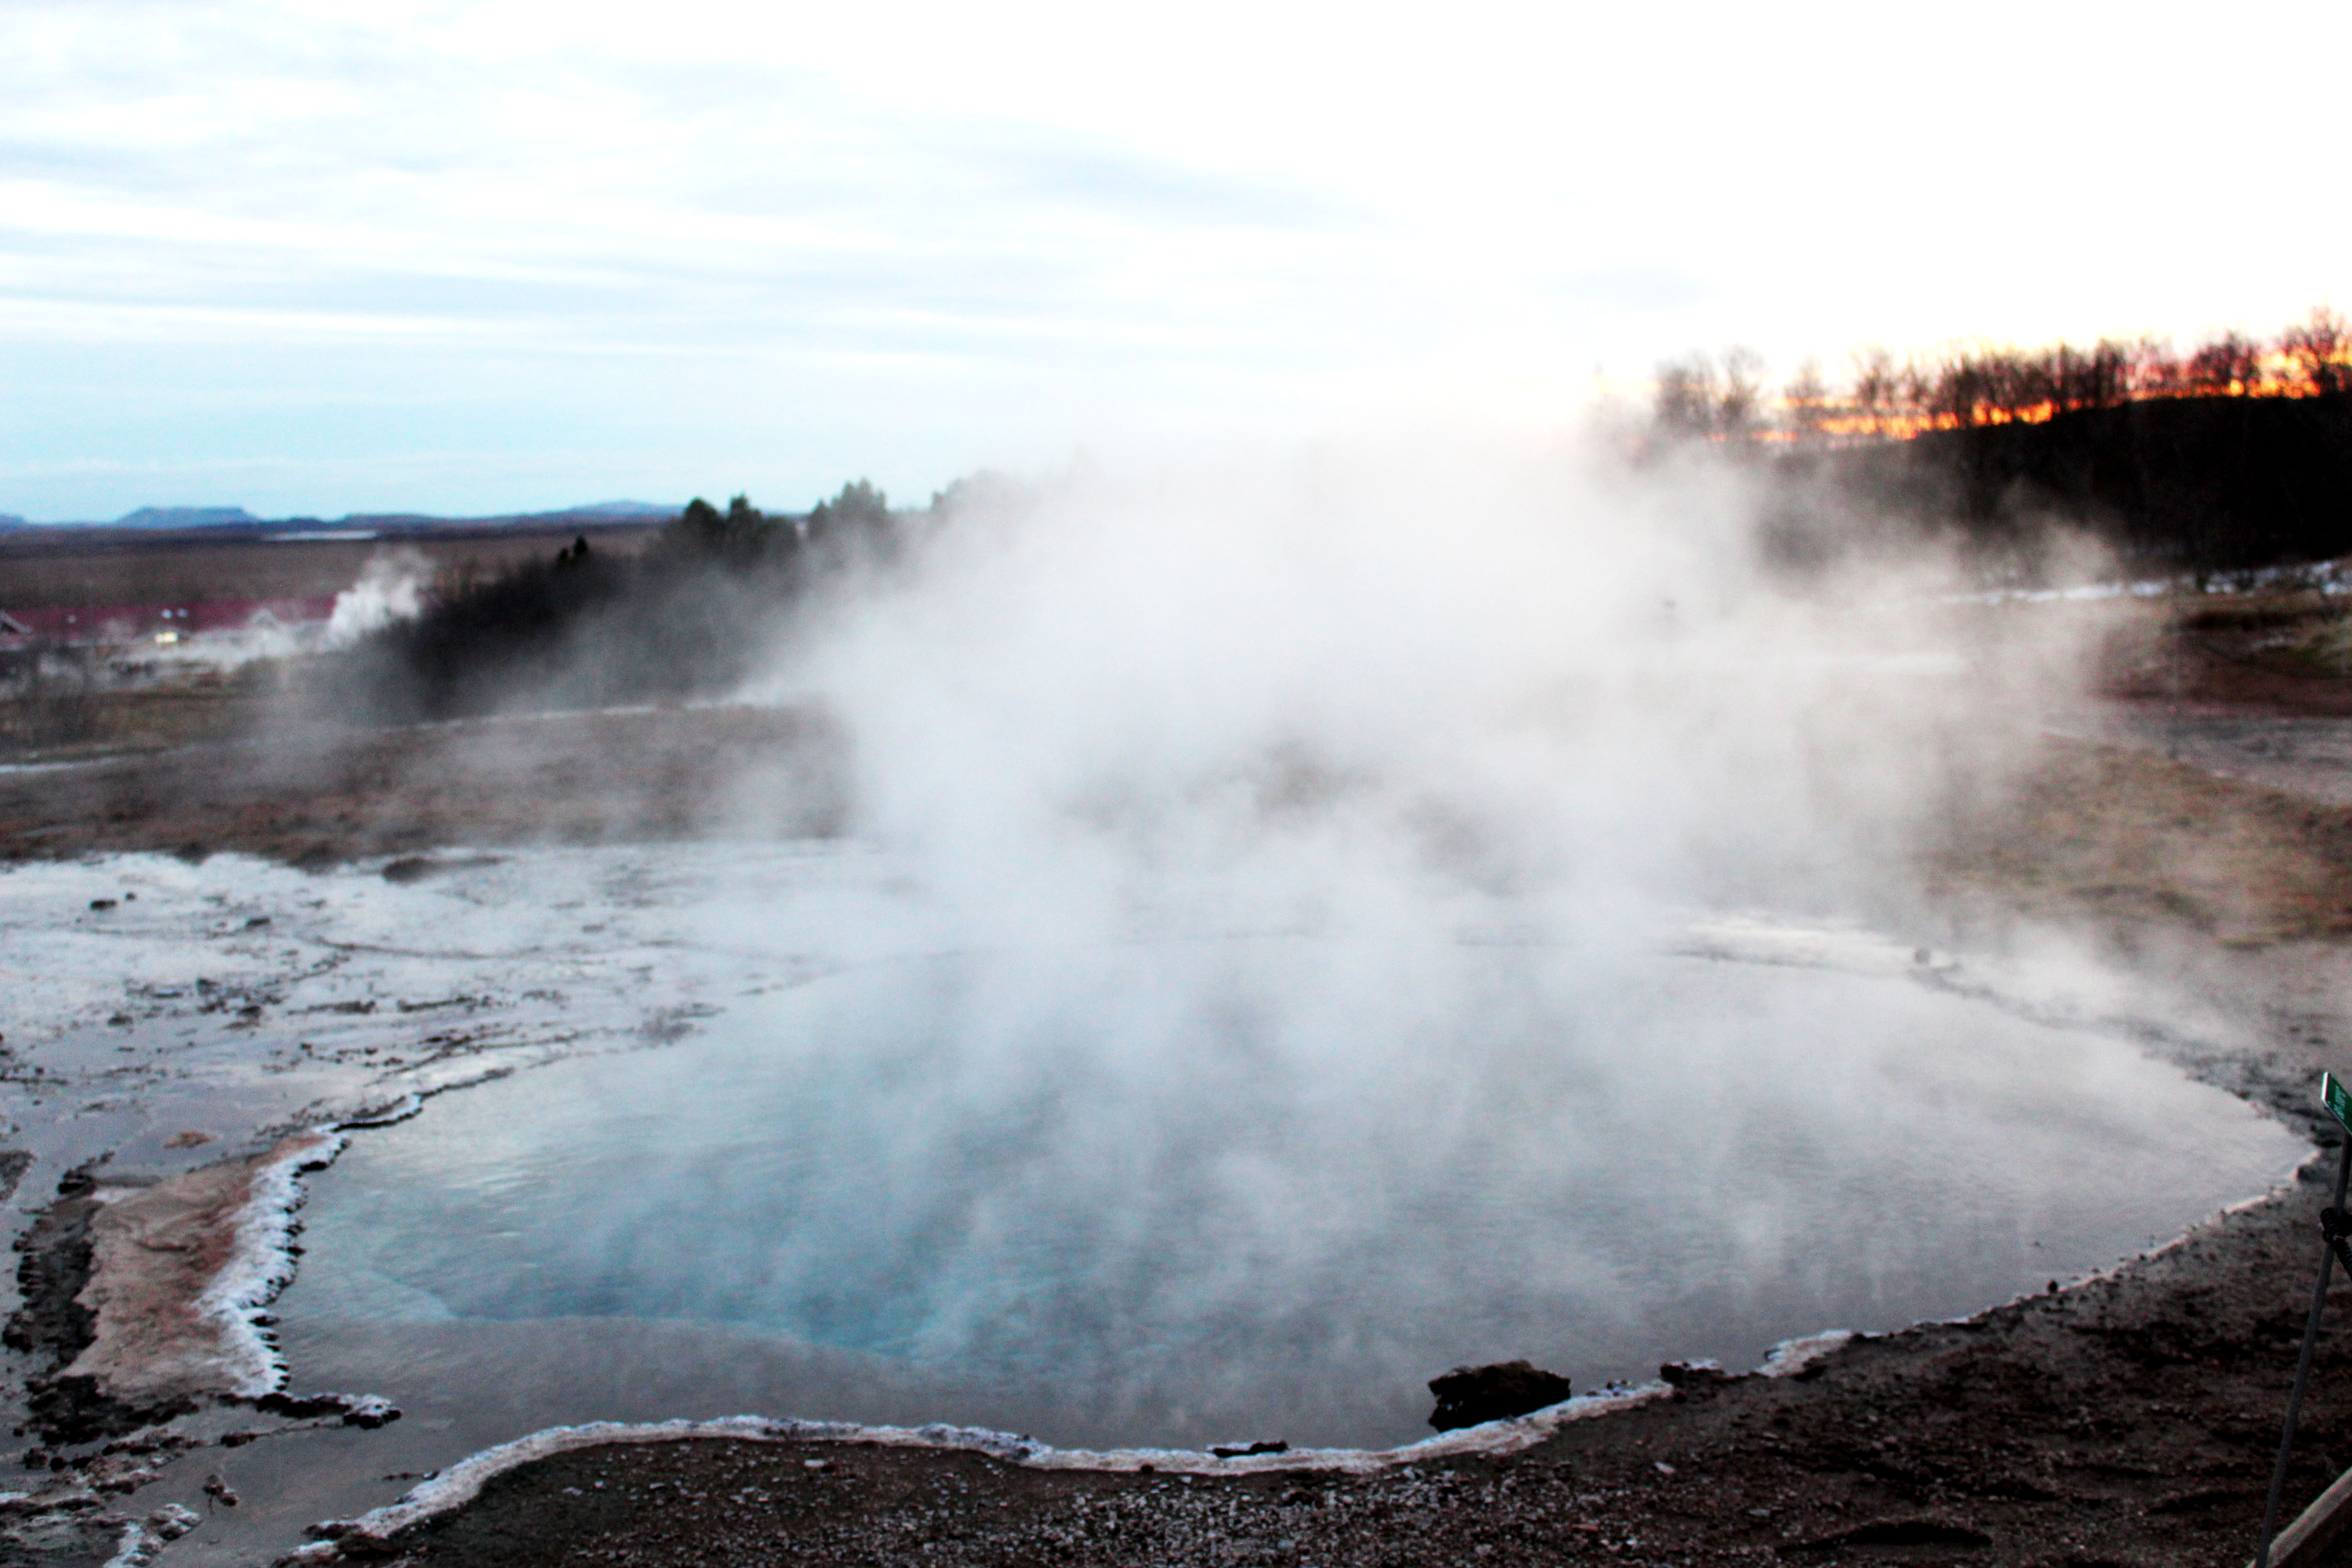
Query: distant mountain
pixel 185 517
pixel 615 511
pixel 235 519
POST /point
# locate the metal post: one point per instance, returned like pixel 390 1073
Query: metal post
pixel 2303 1362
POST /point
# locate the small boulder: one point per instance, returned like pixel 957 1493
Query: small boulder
pixel 1689 1376
pixel 1470 1394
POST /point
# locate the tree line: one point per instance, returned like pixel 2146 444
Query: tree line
pixel 690 614
pixel 1968 386
pixel 2234 456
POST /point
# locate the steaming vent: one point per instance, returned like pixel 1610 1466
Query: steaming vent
pixel 1302 929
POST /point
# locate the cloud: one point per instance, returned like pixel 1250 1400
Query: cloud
pixel 1637 288
pixel 1081 217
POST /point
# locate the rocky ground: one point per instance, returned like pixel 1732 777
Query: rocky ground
pixel 2129 1420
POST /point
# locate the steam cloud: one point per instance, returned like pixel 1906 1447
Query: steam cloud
pixel 391 587
pixel 1359 688
pixel 1250 990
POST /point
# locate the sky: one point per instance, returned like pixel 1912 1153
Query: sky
pixel 473 256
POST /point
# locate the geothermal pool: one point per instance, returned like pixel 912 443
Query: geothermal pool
pixel 1214 1179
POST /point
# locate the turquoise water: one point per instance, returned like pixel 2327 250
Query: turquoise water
pixel 1106 1196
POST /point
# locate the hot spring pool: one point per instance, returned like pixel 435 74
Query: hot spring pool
pixel 1261 1186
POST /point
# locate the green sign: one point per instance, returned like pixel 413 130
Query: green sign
pixel 2336 1098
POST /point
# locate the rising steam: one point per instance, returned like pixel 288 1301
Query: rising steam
pixel 1355 687
pixel 392 587
pixel 1252 985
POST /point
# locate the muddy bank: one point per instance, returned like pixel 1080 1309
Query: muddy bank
pixel 149 1299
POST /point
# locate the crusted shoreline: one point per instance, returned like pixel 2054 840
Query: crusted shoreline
pixel 463 1482
pixel 148 1301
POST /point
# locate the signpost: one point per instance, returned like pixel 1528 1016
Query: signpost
pixel 2334 1228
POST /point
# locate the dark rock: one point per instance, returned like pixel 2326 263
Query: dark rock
pixel 1470 1394
pixel 1243 1450
pixel 1689 1375
pixel 364 1410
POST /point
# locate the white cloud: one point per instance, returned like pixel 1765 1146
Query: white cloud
pixel 1064 217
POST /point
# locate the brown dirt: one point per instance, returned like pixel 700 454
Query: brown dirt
pixel 2118 837
pixel 2279 653
pixel 153 1253
pixel 320 795
pixel 149 716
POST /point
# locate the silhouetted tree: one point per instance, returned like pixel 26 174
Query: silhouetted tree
pixel 1811 409
pixel 1697 400
pixel 1739 408
pixel 1877 391
pixel 1685 397
pixel 2227 365
pixel 2318 347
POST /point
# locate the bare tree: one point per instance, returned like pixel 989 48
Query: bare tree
pixel 2227 365
pixel 1874 389
pixel 1686 399
pixel 1811 408
pixel 2321 352
pixel 1741 402
pixel 1960 394
pixel 1698 399
pixel 2154 370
